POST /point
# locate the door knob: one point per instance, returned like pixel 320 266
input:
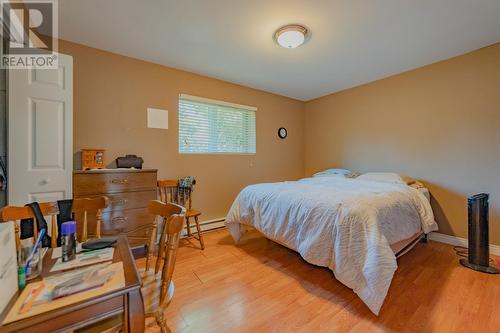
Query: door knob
pixel 46 181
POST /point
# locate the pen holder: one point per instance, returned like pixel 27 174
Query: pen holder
pixel 35 265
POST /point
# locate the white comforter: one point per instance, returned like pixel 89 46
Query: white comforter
pixel 344 224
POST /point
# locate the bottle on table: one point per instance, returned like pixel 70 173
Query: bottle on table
pixel 68 240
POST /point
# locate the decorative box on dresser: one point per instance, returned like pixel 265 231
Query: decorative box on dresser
pixel 129 192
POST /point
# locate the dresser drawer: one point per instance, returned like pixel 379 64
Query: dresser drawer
pixel 125 221
pixel 130 221
pixel 138 241
pixel 139 237
pixel 128 200
pixel 102 183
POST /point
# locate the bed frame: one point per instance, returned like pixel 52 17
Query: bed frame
pixel 404 246
pixel 399 249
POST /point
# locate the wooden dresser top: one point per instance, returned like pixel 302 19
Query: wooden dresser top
pixel 114 170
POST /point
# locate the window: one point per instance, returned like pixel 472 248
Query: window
pixel 213 127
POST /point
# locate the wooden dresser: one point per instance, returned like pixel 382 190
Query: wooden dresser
pixel 129 192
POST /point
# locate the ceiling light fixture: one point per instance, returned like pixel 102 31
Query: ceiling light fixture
pixel 291 36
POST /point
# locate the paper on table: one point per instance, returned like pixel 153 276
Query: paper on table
pixel 117 281
pixel 72 282
pixel 57 251
pixel 84 259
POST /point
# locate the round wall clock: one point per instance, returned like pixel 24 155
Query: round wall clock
pixel 282 133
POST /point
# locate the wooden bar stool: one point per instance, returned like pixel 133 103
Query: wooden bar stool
pixel 169 191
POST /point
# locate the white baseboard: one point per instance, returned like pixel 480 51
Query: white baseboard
pixel 205 225
pixel 458 241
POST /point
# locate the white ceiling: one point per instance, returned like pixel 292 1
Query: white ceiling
pixel 353 41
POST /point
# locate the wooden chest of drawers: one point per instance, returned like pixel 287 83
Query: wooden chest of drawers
pixel 129 192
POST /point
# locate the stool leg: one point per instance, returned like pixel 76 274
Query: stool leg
pixel 188 227
pixel 200 237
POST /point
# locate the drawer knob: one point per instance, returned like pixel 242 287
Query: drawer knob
pixel 119 202
pixel 119 219
pixel 119 181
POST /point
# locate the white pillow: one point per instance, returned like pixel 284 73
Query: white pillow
pixel 335 172
pixel 385 177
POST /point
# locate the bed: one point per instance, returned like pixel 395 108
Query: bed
pixel 355 227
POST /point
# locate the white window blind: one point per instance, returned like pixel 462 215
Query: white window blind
pixel 214 127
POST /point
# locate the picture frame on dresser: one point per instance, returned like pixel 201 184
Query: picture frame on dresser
pixel 129 191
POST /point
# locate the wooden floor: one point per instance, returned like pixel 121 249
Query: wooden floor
pixel 260 286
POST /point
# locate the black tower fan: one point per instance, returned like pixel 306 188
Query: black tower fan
pixel 479 251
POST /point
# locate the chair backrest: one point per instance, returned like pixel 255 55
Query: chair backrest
pixel 90 206
pixel 169 191
pixel 51 209
pixel 15 213
pixel 173 219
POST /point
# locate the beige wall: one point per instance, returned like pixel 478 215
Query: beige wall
pixel 439 123
pixel 112 92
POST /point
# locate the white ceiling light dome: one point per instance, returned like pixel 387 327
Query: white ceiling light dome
pixel 291 36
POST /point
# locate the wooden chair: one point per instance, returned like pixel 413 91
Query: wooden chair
pixel 169 191
pixel 158 290
pixel 88 206
pixel 51 209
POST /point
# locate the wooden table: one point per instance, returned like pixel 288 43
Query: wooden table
pixel 126 301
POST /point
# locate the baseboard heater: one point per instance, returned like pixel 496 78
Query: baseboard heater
pixel 206 225
pixel 479 251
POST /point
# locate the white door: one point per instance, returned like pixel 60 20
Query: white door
pixel 40 133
